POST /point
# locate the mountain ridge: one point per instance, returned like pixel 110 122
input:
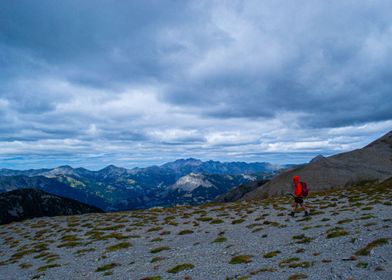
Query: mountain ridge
pixel 373 162
pixel 114 188
pixel 17 205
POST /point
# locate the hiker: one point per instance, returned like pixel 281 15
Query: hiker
pixel 298 196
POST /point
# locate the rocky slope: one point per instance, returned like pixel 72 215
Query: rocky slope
pixel 347 236
pixel 22 204
pixel 237 193
pixel 371 163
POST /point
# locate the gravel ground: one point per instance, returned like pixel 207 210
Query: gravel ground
pixel 322 246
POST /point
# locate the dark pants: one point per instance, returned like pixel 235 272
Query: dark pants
pixel 299 200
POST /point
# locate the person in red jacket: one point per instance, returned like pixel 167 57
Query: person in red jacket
pixel 298 197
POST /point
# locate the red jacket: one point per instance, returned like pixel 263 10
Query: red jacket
pixel 297 187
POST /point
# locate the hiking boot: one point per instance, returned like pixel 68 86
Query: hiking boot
pixel 306 214
pixel 291 214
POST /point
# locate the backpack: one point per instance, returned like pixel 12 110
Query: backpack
pixel 305 190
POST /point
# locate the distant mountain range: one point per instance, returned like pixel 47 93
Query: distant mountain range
pixel 371 163
pixel 22 204
pixel 184 181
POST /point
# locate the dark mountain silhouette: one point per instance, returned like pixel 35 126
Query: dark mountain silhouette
pixel 371 163
pixel 23 204
pixel 51 185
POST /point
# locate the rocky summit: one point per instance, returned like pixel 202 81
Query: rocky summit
pixel 347 236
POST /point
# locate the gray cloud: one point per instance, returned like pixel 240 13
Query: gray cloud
pixel 312 61
pixel 154 80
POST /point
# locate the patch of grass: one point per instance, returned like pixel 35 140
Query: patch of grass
pixel 45 267
pixel 317 212
pixel 302 238
pixel 345 221
pixel 366 217
pixel 271 254
pixel 237 221
pixel 253 225
pixel 180 267
pixel 216 221
pixel 265 269
pixel 271 223
pixel 241 259
pixel 362 265
pixel 158 239
pixel 286 262
pixel 25 265
pixel 204 219
pixel 152 278
pixel 154 229
pixel 51 258
pixel 185 231
pixel 157 259
pixel 69 238
pixel 336 232
pixel 114 235
pixel 297 276
pixel 220 239
pixel 159 249
pixel 106 267
pixel 83 251
pixel 119 246
pixel 305 219
pixel 137 224
pixel 257 229
pixel 300 264
pixel 116 227
pixel 365 251
pixel 69 244
pixel 42 255
pixel 20 254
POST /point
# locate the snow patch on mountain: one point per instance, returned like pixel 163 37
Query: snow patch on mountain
pixel 249 177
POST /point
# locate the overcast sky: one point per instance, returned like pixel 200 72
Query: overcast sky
pixel 135 83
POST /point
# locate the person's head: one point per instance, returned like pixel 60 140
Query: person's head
pixel 296 179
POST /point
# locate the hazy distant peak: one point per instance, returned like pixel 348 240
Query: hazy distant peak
pixel 111 167
pixel 318 158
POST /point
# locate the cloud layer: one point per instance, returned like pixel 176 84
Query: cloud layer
pixel 140 82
